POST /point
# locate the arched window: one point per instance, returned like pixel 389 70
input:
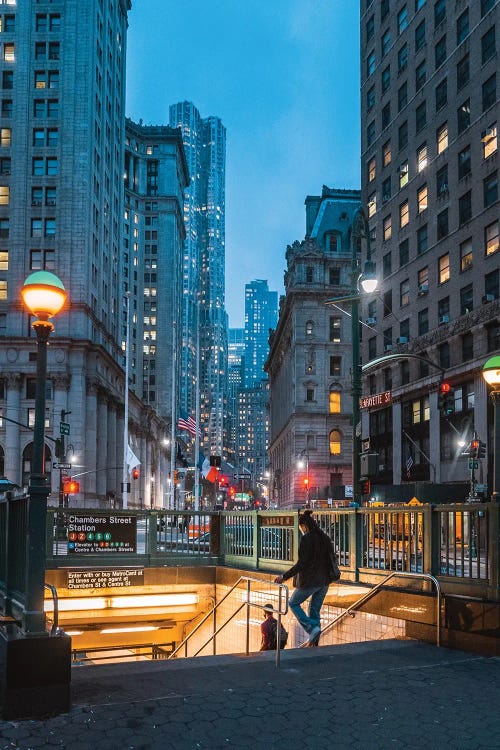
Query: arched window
pixel 334 402
pixel 309 328
pixel 335 443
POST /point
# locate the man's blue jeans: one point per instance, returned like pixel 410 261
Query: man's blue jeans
pixel 317 594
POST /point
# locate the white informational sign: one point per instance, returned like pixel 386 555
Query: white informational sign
pixel 348 490
pixel 330 502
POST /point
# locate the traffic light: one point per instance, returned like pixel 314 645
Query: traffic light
pixel 306 482
pixel 474 448
pixel 223 481
pixel 135 473
pixel 59 448
pixel 482 450
pixel 446 399
pixel 70 487
pixel 365 487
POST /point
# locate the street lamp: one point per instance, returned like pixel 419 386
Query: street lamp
pixel 300 465
pixel 365 282
pixel 491 374
pixel 44 295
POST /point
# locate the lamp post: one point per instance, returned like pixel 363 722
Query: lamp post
pixel 300 465
pixel 44 295
pixel 491 374
pixel 368 282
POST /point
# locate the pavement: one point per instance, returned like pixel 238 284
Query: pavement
pixel 374 696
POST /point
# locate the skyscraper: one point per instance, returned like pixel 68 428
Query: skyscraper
pixel 261 315
pixel 204 268
pixel 236 379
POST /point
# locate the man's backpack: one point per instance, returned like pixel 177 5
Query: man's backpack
pixel 283 635
pixel 333 567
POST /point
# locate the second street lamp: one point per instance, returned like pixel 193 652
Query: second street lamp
pixel 491 374
pixel 368 282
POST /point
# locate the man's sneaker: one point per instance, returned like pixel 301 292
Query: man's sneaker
pixel 314 635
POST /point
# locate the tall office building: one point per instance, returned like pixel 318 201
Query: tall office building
pixel 61 209
pixel 204 311
pixel 430 111
pixel 261 316
pixel 236 379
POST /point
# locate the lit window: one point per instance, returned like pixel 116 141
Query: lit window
pixel 422 157
pixel 404 214
pixel 3 289
pixel 442 138
pixel 9 52
pixel 335 330
pixel 372 205
pixel 334 402
pixel 387 228
pixel 386 154
pixel 403 174
pixel 335 443
pixel 422 199
pixel 489 140
pixel 5 137
pixel 309 328
pixel 404 293
pixel 371 170
pixel 466 254
pixel 4 195
pixel 4 260
pixel 491 238
pixel 444 268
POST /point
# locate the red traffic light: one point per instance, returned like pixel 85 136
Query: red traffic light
pixel 444 387
pixel 71 487
pixel 306 481
pixel 135 473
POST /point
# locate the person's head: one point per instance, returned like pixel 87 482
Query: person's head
pixel 306 521
pixel 268 610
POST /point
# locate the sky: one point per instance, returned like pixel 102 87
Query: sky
pixel 283 76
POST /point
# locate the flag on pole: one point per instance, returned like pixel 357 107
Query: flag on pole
pixel 210 473
pixel 409 464
pixel 187 423
pixel 132 460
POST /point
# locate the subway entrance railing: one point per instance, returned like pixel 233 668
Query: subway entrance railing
pixel 458 544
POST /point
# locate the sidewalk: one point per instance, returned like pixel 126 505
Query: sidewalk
pixel 374 696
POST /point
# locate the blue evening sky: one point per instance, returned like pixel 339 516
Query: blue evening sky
pixel 283 76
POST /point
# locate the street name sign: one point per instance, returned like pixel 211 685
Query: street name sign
pixel 64 428
pixel 61 466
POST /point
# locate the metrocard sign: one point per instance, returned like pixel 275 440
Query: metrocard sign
pixel 378 399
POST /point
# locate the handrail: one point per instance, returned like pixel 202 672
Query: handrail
pixel 55 598
pixel 369 594
pixel 249 579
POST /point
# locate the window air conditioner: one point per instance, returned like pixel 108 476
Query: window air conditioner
pixel 443 188
pixel 423 289
pixel 488 298
pixel 371 321
pixel 381 467
pixel 487 134
pixel 388 348
pixel 444 319
pixel 402 340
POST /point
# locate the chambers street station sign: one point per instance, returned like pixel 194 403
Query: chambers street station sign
pixel 102 533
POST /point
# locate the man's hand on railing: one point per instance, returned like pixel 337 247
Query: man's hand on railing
pixel 278 579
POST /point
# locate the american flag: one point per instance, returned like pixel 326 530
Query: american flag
pixel 409 464
pixel 187 423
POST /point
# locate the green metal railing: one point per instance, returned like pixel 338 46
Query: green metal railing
pixel 458 544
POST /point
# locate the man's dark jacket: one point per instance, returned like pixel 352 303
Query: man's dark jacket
pixel 313 566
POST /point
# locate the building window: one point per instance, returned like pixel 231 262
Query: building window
pixel 439 12
pixel 9 53
pixel 335 443
pixel 404 370
pixel 370 133
pixel 403 175
pixel 335 330
pixel 404 214
pixel 386 79
pixel 420 116
pixel 466 254
pixel 462 26
pixel 386 115
pixel 492 336
pixel 444 268
pixel 465 208
pixel 420 36
pixel 491 286
pixel 464 162
pixel 403 135
pixel 370 28
pixel 442 180
pixel 4 195
pixel 386 42
pixel 386 265
pixel 422 239
pixel 488 46
pixel 486 5
pixel 442 138
pixel 387 298
pixel 370 64
pixel 466 299
pixel 370 98
pixel 442 224
pixel 441 94
pixel 489 141
pixel 444 310
pixel 440 52
pixel 423 321
pixel 334 402
pixel 422 199
pixel 387 228
pixel 335 366
pixel 402 58
pixel 309 274
pixel 404 252
pixel 404 293
pixel 372 347
pixel 463 116
pixel 3 289
pixel 463 72
pixel 386 154
pixel 372 205
pixel 386 189
pixel 490 189
pixel 404 330
pixel 444 355
pixel 334 276
pixel 420 75
pixel 402 19
pixel 372 169
pixel 402 96
pixel 421 157
pixel 309 394
pixel 36 227
pixel 489 91
pixel 491 238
